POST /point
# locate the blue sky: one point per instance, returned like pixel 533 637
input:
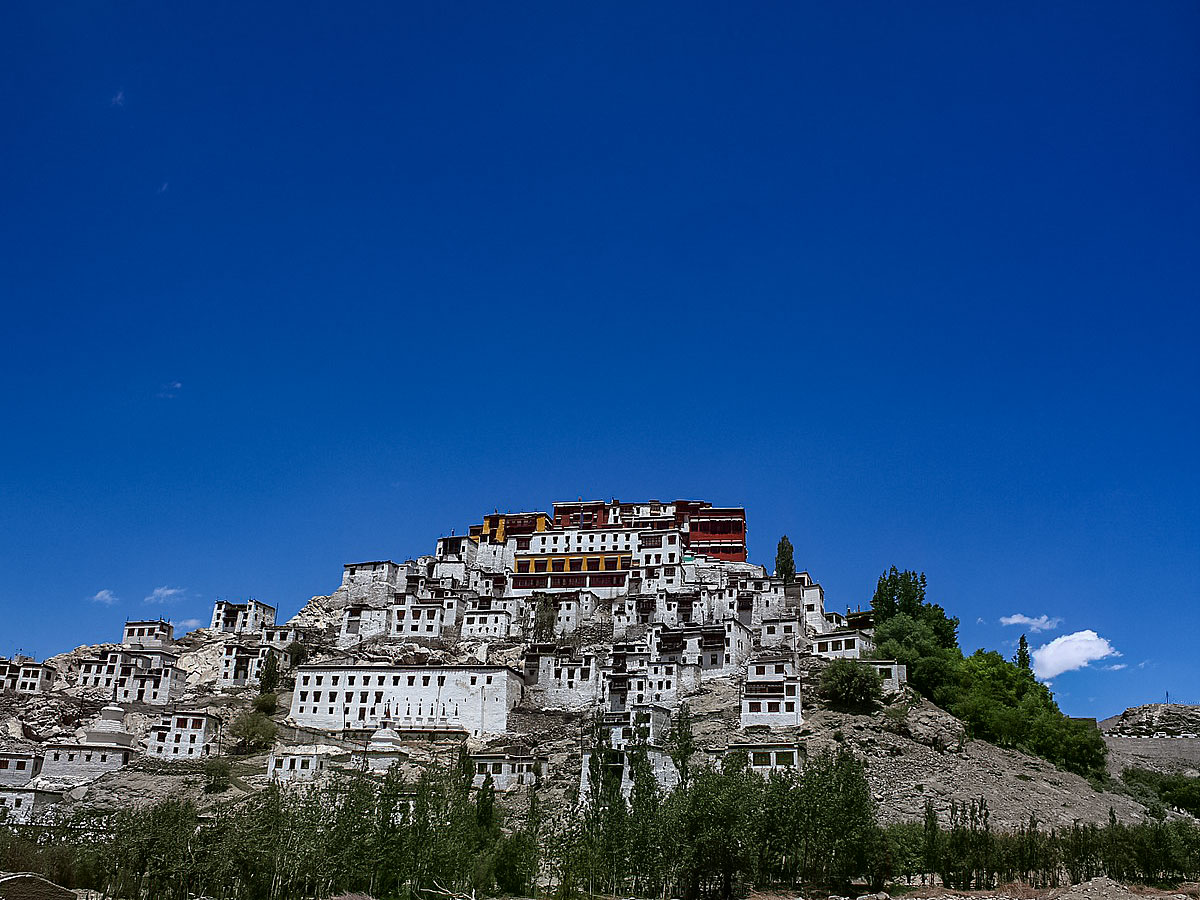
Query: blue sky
pixel 290 286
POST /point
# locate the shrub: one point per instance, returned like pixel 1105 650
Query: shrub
pixel 266 704
pixel 252 730
pixel 216 775
pixel 850 686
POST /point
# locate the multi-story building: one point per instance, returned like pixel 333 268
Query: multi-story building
pixel 148 633
pixel 183 735
pixel 242 662
pixel 23 675
pixel 561 677
pixel 250 617
pixel 476 699
pixel 771 693
pixel 720 646
pixel 719 532
pixel 135 676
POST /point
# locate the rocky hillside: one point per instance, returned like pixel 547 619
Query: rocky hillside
pixel 1162 737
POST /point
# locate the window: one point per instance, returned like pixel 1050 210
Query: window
pixel 886 674
pixel 760 759
pixel 849 643
pixel 785 758
pixel 755 706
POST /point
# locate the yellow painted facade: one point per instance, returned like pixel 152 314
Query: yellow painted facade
pixel 493 528
pixel 534 563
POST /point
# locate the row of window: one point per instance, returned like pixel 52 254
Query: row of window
pixel 366 679
pixel 772 706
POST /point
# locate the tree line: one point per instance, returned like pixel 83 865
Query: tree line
pixel 718 833
pixel 998 700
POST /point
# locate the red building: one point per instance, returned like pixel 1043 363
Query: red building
pixel 719 532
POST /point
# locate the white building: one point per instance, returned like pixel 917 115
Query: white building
pixel 301 763
pixel 23 675
pixel 361 623
pixel 784 633
pixel 766 757
pixel 476 699
pixel 21 805
pixel 18 767
pixel 486 623
pixel 135 676
pixel 151 676
pixel 241 663
pixel 771 693
pixel 282 636
pixel 183 735
pixel 714 648
pixel 148 634
pixel 560 677
pixel 509 771
pixel 250 617
pixel 106 747
pixel 893 675
pixel 618 763
pixel 843 644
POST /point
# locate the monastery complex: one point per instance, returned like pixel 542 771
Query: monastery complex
pixel 603 613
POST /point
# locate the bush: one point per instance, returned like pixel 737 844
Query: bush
pixel 850 686
pixel 217 772
pixel 266 704
pixel 252 731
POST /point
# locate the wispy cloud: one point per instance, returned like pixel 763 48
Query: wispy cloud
pixel 1070 652
pixel 170 390
pixel 107 597
pixel 1116 668
pixel 1035 625
pixel 165 594
pixel 165 185
pixel 190 623
pixel 118 99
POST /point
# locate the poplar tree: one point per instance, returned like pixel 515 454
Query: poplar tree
pixel 785 563
pixel 1023 659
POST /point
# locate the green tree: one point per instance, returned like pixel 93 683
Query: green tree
pixel 851 686
pixel 785 563
pixel 265 704
pixel 1023 659
pixel 268 674
pixel 681 742
pixel 217 773
pixel 903 594
pixel 252 731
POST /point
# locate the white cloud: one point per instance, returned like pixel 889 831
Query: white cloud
pixel 107 597
pixel 190 623
pixel 165 594
pixel 118 99
pixel 1117 668
pixel 1070 652
pixel 1041 623
pixel 169 391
